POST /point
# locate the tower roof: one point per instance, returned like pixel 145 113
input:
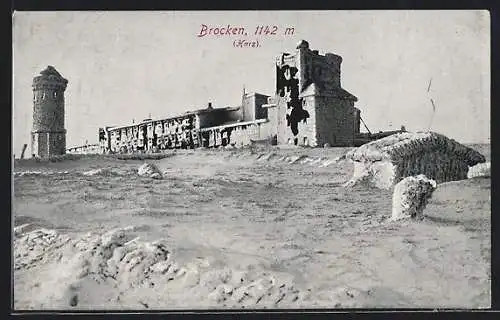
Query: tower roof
pixel 50 71
pixel 49 78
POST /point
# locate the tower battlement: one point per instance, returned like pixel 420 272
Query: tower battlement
pixel 49 79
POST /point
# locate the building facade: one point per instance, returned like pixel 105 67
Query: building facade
pixel 207 127
pixel 309 107
pixel 48 135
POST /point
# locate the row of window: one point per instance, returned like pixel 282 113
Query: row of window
pixel 174 141
pixel 44 96
pixel 136 136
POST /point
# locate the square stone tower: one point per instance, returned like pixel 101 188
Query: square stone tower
pixel 48 136
pixel 310 106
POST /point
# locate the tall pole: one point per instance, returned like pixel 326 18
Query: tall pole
pixel 24 149
pixel 243 104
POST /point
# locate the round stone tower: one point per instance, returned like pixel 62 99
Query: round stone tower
pixel 48 136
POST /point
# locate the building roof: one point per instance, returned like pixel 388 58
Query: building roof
pixel 210 109
pixel 234 124
pixel 315 90
pixel 250 94
pixel 181 116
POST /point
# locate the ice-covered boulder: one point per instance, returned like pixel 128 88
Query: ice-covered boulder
pixel 410 197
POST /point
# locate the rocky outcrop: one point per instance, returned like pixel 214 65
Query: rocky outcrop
pixel 386 161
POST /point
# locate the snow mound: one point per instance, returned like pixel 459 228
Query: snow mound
pixel 480 170
pixel 96 258
pixel 321 162
pixel 266 156
pixel 100 172
pixel 36 246
pixel 150 170
pixel 38 173
pixel 115 265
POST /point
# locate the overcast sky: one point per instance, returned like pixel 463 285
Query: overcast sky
pixel 129 65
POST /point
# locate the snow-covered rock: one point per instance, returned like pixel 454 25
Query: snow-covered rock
pixel 410 197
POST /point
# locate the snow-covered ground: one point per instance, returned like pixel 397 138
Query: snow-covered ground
pixel 241 229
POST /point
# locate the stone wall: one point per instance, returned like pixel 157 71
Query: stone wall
pixel 248 106
pixel 39 144
pixel 335 121
pixel 57 143
pixel 270 129
pixel 357 121
pixel 283 130
pixel 316 68
pixel 307 129
pixel 48 110
pixel 45 144
pixel 243 135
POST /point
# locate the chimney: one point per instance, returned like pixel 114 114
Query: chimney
pixel 209 105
